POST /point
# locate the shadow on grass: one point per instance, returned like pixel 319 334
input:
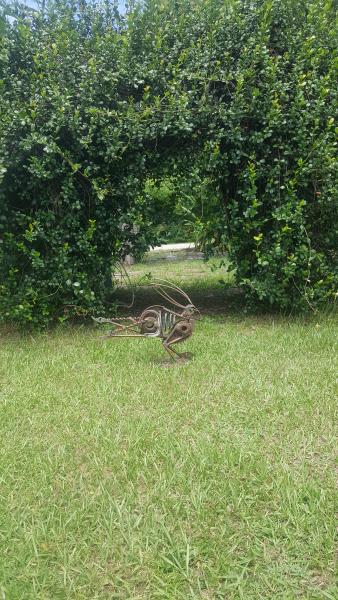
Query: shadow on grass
pixel 209 284
pixel 210 299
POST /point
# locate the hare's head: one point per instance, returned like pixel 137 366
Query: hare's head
pixel 191 312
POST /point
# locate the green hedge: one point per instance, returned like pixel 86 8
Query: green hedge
pixel 93 104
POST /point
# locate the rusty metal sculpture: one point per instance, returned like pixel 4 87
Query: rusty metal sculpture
pixel 159 321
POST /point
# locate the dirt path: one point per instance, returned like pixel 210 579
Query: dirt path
pixel 173 247
pixel 174 252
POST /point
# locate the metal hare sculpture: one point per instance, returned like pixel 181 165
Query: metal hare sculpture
pixel 172 326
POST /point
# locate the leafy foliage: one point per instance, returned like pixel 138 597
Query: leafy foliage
pixel 179 206
pixel 240 96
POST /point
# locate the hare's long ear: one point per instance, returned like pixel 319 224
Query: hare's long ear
pixel 162 289
pixel 162 292
pixel 173 287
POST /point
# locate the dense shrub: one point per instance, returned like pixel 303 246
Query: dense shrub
pixel 69 194
pixel 93 104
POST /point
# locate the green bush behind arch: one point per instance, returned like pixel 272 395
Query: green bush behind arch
pixel 93 104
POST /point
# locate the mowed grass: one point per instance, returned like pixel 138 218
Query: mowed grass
pixel 215 479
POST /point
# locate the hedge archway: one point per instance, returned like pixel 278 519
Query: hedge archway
pixel 93 103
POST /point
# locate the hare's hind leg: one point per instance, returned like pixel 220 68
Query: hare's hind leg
pixel 180 332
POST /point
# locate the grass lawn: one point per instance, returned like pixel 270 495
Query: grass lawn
pixel 215 479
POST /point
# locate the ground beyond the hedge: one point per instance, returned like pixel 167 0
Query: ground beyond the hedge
pixel 122 479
